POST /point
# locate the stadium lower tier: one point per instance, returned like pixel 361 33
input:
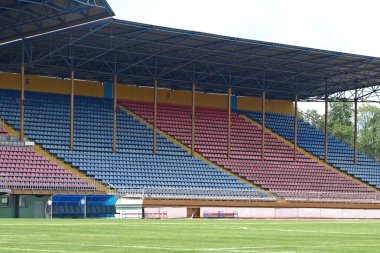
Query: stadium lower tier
pixel 22 168
pixel 312 139
pixel 278 173
pixel 133 167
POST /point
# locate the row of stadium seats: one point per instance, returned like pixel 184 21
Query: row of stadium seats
pixel 312 139
pixel 22 168
pixel 277 173
pixel 47 123
pixel 75 211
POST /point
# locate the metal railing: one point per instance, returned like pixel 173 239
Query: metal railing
pixel 329 197
pixel 310 119
pixel 10 184
pixel 174 193
pixel 313 121
pixel 246 195
pixel 9 142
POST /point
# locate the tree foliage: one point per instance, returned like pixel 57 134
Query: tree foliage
pixel 314 118
pixel 340 121
pixel 341 125
pixel 369 130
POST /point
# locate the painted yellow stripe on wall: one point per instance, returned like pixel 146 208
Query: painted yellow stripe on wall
pixel 51 85
pixel 271 105
pixel 138 93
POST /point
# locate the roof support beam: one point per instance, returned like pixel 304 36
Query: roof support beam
pixel 221 45
pixel 113 48
pixel 183 38
pixel 295 126
pixel 326 125
pixel 229 124
pixel 263 100
pixel 355 130
pixel 193 120
pixel 72 42
pixel 72 112
pixel 155 117
pixel 22 99
pixel 114 113
pixel 264 57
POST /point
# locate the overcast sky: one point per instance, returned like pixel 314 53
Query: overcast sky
pixel 345 26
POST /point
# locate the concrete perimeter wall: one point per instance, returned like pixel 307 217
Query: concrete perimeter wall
pixel 172 212
pixel 276 213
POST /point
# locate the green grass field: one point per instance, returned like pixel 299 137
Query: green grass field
pixel 36 235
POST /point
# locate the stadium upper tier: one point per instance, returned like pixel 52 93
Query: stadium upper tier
pixel 47 121
pixel 278 173
pixel 312 139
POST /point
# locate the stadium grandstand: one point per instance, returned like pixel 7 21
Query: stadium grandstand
pixel 93 105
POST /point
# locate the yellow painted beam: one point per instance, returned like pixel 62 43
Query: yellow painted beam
pixel 139 93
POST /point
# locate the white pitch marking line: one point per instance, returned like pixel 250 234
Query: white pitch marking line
pixel 315 231
pixel 127 246
pixel 241 249
pixel 34 250
pixel 197 223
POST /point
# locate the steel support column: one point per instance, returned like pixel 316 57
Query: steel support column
pixel 22 91
pixel 114 112
pixel 22 100
pixel 229 125
pixel 193 120
pixel 263 126
pixel 326 127
pixel 72 111
pixel 155 117
pixel 295 125
pixel 356 130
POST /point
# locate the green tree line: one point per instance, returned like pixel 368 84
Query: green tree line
pixel 341 125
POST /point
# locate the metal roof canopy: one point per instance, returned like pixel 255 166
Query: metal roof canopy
pixel 23 18
pixel 139 53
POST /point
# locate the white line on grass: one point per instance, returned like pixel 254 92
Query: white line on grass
pixel 141 247
pixel 315 231
pixel 34 250
pixel 191 223
pixel 58 224
pixel 229 249
pixel 21 235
